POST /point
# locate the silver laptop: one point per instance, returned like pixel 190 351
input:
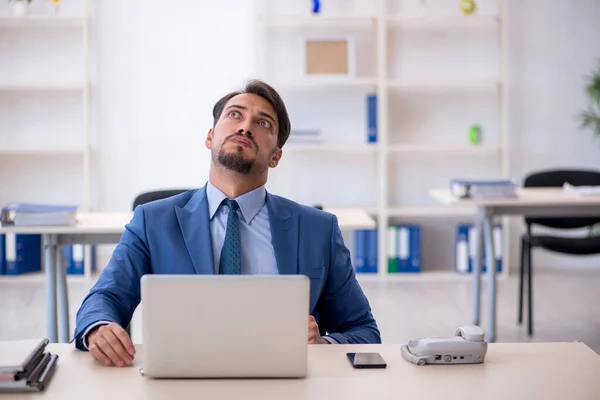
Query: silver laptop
pixel 216 326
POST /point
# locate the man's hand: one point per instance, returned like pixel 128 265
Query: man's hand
pixel 314 336
pixel 110 344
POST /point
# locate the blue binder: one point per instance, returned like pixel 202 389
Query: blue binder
pixel 23 253
pixel 371 251
pixel 2 255
pixel 360 248
pixel 415 249
pixel 74 259
pixel 372 118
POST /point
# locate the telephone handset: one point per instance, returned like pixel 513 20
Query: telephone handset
pixel 467 346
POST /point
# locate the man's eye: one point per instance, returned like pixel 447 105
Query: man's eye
pixel 234 114
pixel 265 124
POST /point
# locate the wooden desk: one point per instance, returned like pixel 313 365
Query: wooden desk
pixel 530 202
pixel 106 228
pixel 511 371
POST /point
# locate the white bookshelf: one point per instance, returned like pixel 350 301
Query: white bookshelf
pixel 413 104
pixel 292 21
pixel 321 83
pixel 42 87
pixel 440 87
pixel 32 149
pixel 45 86
pixel 42 20
pixel 445 148
pixel 331 147
pixel 443 22
pixel 430 211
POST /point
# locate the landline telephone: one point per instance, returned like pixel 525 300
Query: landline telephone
pixel 468 346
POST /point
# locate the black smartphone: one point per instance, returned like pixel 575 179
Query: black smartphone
pixel 366 360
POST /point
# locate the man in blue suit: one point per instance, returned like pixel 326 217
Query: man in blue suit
pixel 232 225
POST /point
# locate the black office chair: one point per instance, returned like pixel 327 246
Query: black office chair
pixel 147 197
pixel 565 245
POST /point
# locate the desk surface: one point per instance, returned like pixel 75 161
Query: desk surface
pixel 525 196
pixel 114 223
pixel 511 371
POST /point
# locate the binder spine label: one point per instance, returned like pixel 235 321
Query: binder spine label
pixel 10 248
pixel 78 253
pixel 462 250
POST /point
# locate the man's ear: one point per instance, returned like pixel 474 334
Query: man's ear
pixel 276 157
pixel 209 138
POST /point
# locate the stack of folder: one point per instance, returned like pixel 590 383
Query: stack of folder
pixel 477 189
pixel 25 366
pixel 24 214
pixel 20 253
pixel 404 249
pixel 465 249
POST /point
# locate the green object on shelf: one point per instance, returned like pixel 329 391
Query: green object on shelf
pixel 475 134
pixel 468 6
pixel 393 265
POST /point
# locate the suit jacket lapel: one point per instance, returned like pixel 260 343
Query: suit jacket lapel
pixel 284 235
pixel 195 227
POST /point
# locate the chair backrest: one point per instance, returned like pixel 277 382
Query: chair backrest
pixel 147 197
pixel 557 178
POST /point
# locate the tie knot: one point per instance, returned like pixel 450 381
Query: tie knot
pixel 232 204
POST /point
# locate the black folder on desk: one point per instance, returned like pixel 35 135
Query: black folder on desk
pixel 25 366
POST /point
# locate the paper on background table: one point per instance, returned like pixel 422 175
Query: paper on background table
pixel 582 190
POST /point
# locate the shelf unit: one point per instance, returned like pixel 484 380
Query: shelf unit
pixel 381 23
pixel 42 92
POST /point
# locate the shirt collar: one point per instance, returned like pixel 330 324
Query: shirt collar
pixel 250 203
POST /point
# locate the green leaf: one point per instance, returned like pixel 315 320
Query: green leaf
pixel 590 119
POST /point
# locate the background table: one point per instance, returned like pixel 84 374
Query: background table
pixel 511 371
pixel 106 228
pixel 530 202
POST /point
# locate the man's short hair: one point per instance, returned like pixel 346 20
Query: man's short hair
pixel 262 89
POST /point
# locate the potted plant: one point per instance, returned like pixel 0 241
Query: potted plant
pixel 20 8
pixel 590 119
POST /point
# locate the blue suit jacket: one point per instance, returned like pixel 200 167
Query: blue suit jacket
pixel 172 236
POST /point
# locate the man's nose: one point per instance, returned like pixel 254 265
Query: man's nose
pixel 244 131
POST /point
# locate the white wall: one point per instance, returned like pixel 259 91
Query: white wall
pixel 161 68
pixel 553 45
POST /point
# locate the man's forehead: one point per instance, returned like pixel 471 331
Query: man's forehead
pixel 250 99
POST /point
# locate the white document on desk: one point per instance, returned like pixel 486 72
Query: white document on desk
pixel 581 190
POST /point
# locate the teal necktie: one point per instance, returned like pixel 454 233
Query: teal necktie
pixel 231 258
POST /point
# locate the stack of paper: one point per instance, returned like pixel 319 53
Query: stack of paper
pixel 23 214
pixel 469 188
pixel 305 136
pixel 25 366
pixel 581 190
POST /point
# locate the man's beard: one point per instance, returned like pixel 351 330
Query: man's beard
pixel 235 161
